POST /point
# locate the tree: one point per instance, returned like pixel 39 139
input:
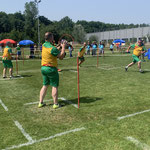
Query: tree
pixel 30 13
pixel 5 25
pixel 65 25
pixel 45 21
pixel 17 21
pixel 93 38
pixel 79 33
pixel 52 29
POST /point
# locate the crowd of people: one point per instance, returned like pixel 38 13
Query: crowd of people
pixel 91 48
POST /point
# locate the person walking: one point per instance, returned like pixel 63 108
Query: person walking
pixel 49 68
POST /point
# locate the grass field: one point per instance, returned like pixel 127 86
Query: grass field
pixel 106 93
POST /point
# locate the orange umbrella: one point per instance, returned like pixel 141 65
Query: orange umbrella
pixel 8 40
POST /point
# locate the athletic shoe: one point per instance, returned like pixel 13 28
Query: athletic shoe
pixel 126 69
pixel 4 77
pixel 141 71
pixel 11 77
pixel 55 106
pixel 41 105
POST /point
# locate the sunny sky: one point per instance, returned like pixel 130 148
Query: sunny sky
pixel 107 11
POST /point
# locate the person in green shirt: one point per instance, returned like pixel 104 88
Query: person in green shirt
pixel 49 70
pixel 81 53
pixel 18 50
pixel 138 49
pixel 7 63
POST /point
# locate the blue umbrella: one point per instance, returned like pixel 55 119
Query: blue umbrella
pixel 26 42
pixel 118 41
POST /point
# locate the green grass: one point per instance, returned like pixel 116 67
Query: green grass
pixel 106 92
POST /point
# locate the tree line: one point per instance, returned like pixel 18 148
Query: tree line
pixel 20 26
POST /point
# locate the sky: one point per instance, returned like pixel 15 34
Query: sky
pixel 107 11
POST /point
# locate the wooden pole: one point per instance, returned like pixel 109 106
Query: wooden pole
pixel 78 82
pixel 17 65
pixel 97 57
pixel 23 55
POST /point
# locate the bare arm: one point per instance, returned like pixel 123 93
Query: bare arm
pixel 128 48
pixel 78 54
pixel 61 55
pixel 143 52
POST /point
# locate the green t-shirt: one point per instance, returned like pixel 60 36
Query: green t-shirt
pixel 81 51
pixel 18 48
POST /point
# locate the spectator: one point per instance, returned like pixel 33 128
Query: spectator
pixel 70 49
pixel 112 48
pixel 94 48
pixel 18 49
pixel 31 51
pixel 88 47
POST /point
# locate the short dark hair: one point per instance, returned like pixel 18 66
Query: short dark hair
pixel 48 35
pixel 7 43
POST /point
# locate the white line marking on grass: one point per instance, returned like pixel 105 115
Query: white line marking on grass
pixel 4 106
pixel 32 103
pixel 89 65
pixel 75 105
pixel 118 55
pixel 130 115
pixel 138 143
pixel 24 71
pixel 60 134
pixel 44 139
pixel 27 136
pixel 72 71
pixel 27 60
pixel 8 79
pixel 109 68
pixel 61 98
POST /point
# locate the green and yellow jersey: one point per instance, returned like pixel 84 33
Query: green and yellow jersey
pixel 49 55
pixel 7 53
pixel 81 51
pixel 137 49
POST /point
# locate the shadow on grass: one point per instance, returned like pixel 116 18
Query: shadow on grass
pixel 82 100
pixel 145 71
pixel 64 103
pixel 26 76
